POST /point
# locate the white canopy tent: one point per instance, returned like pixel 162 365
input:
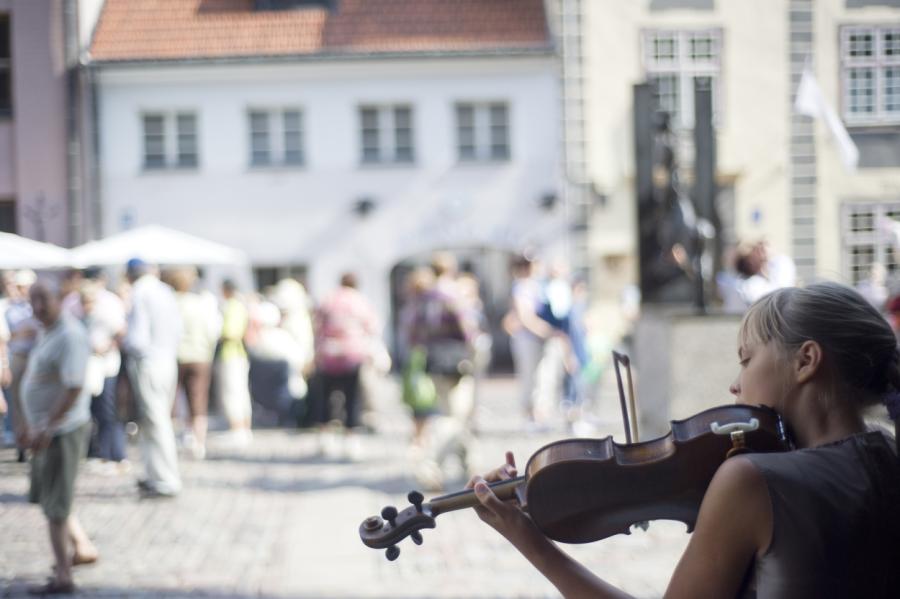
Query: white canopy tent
pixel 156 245
pixel 20 252
pixel 166 247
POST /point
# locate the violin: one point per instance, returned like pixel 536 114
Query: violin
pixel 584 490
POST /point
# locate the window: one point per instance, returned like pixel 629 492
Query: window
pixel 276 137
pixel 673 60
pixel 482 131
pixel 387 134
pixel 8 215
pixel 170 140
pixel 870 73
pixel 267 276
pixel 186 127
pixel 5 68
pixel 869 238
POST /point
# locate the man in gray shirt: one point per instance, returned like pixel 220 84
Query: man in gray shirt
pixel 56 425
pixel 151 345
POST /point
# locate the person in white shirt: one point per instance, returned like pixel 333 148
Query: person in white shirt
pixel 56 423
pixel 151 344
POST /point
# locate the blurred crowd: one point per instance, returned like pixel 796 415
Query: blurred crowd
pixel 166 357
pixel 88 365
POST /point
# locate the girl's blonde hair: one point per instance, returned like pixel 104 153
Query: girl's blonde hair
pixel 857 341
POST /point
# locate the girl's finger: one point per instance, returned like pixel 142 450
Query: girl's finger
pixel 487 497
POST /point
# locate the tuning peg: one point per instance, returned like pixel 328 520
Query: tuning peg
pixel 392 553
pixel 416 537
pixel 373 523
pixel 416 499
pixel 389 513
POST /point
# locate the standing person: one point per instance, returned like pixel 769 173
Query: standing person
pixel 558 367
pixel 23 330
pixel 292 300
pixel 527 332
pixel 154 330
pixel 5 375
pixel 438 325
pixel 469 288
pixel 820 521
pixel 295 327
pixel 447 330
pixel 103 314
pixel 200 333
pixel 761 272
pixel 56 423
pixel 418 388
pixel 233 366
pixel 345 326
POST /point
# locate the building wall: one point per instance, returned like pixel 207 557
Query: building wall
pixel 837 185
pixel 753 118
pixel 88 14
pixel 33 141
pixel 754 127
pixel 305 215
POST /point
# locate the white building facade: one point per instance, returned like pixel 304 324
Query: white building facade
pixel 319 165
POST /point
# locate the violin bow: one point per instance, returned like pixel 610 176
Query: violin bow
pixel 631 426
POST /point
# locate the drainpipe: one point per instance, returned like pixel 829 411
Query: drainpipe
pixel 74 208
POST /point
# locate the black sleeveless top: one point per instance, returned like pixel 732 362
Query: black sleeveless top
pixel 836 522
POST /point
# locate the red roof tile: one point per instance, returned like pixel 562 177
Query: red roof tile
pixel 196 29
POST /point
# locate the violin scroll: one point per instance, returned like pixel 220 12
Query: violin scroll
pixel 392 526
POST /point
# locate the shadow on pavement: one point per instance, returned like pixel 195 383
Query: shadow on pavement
pixel 13 498
pixel 306 484
pixel 18 589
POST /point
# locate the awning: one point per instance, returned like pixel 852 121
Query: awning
pixel 156 245
pixel 20 252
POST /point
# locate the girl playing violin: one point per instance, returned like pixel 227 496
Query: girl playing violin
pixel 821 521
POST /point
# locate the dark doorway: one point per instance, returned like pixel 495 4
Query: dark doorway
pixel 8 216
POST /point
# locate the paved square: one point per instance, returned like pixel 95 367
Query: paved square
pixel 278 520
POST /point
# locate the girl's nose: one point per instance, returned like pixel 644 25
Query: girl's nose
pixel 735 388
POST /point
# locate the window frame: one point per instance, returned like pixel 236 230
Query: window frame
pixel 879 64
pixel 484 129
pixel 873 237
pixel 387 134
pixel 179 149
pixel 684 67
pixel 277 150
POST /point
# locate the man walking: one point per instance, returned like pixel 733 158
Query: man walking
pixel 56 424
pixel 154 330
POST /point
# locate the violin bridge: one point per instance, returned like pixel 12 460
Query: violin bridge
pixel 738 444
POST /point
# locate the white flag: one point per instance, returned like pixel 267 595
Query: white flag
pixel 811 102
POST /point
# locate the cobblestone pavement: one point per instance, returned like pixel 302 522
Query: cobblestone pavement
pixel 279 520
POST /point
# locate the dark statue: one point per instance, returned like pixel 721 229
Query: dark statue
pixel 671 234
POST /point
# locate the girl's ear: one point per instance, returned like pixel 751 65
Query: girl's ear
pixel 807 361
